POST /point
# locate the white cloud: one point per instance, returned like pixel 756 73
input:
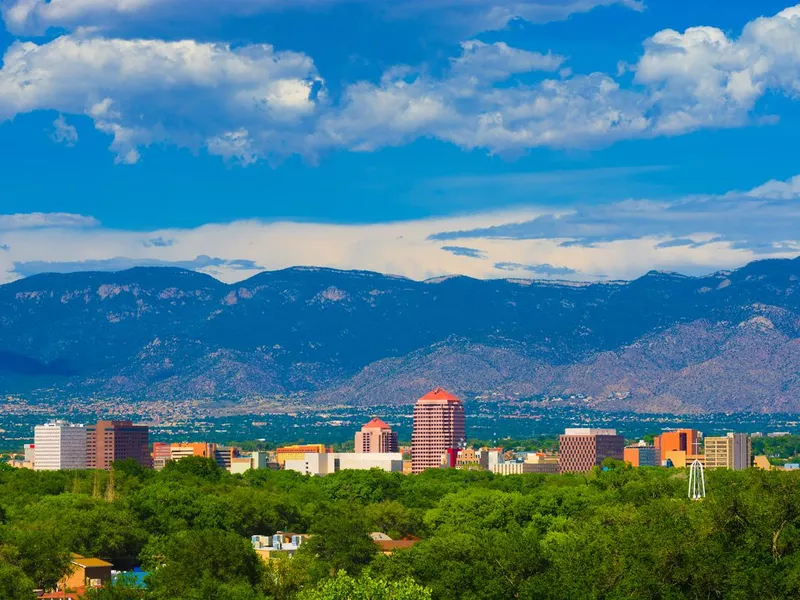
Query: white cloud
pixel 142 92
pixel 617 240
pixel 45 220
pixel 63 132
pixel 250 102
pixel 469 16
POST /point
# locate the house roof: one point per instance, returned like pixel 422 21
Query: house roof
pixel 376 424
pixel 439 394
pixel 82 561
pixel 392 545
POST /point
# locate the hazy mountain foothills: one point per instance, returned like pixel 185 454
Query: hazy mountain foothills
pixel 665 342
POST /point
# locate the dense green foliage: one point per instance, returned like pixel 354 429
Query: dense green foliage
pixel 781 449
pixel 623 533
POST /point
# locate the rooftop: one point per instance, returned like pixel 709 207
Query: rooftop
pixel 82 561
pixel 438 395
pixel 376 424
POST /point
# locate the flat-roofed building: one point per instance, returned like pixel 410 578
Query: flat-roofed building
pixel 730 452
pixel 110 441
pixel 642 456
pixel 59 445
pixel 584 448
pixel 685 440
pixel 298 452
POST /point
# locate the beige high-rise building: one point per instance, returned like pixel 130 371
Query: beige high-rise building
pixel 376 437
pixel 439 426
pixel 730 452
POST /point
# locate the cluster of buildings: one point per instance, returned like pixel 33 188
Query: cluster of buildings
pixel 438 441
pixel 60 445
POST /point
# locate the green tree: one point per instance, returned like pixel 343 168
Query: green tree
pixel 14 584
pixel 191 563
pixel 345 587
pixel 341 539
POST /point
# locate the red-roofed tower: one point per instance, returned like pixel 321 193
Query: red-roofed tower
pixel 439 425
pixel 376 436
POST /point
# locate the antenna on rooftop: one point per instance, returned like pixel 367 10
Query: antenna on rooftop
pixel 697 481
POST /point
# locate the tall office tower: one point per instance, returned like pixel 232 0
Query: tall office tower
pixel 730 452
pixel 376 436
pixel 109 441
pixel 584 448
pixel 681 440
pixel 59 445
pixel 439 426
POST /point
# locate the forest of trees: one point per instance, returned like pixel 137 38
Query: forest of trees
pixel 616 534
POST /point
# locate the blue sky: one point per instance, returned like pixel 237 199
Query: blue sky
pixel 576 139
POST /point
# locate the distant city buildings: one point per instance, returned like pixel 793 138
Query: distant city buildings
pixel 298 452
pixel 583 448
pixel 59 445
pixel 376 436
pixel 439 426
pixel 642 456
pixel 315 463
pixel 681 440
pixel 271 547
pixel 730 452
pixel 111 441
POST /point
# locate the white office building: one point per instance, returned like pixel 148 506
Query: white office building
pixel 325 464
pixel 59 445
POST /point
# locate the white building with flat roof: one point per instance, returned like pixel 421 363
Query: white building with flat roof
pixel 331 462
pixel 59 445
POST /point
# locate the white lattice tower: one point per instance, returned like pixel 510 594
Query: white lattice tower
pixel 697 481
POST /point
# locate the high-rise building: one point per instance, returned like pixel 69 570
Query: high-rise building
pixel 730 452
pixel 59 445
pixel 376 436
pixel 439 426
pixel 110 441
pixel 584 448
pixel 684 440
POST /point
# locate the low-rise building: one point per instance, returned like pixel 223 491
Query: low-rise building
pixel 642 456
pixel 298 452
pixel 324 464
pixel 86 573
pixel 281 543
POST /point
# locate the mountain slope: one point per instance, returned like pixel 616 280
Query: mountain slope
pixel 727 341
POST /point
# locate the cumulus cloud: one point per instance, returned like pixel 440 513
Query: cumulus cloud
pixel 251 102
pixel 45 220
pixel 620 240
pixel 63 132
pixel 187 93
pixel 37 16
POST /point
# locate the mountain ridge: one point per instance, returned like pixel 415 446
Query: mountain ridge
pixel 327 335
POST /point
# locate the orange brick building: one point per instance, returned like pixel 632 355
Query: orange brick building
pixel 682 440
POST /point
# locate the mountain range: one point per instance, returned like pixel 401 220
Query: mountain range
pixel 665 342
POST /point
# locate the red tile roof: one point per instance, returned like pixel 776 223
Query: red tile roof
pixel 439 394
pixel 376 424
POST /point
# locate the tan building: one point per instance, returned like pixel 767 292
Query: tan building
pixel 86 573
pixel 730 452
pixel 298 452
pixel 679 459
pixel 376 436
